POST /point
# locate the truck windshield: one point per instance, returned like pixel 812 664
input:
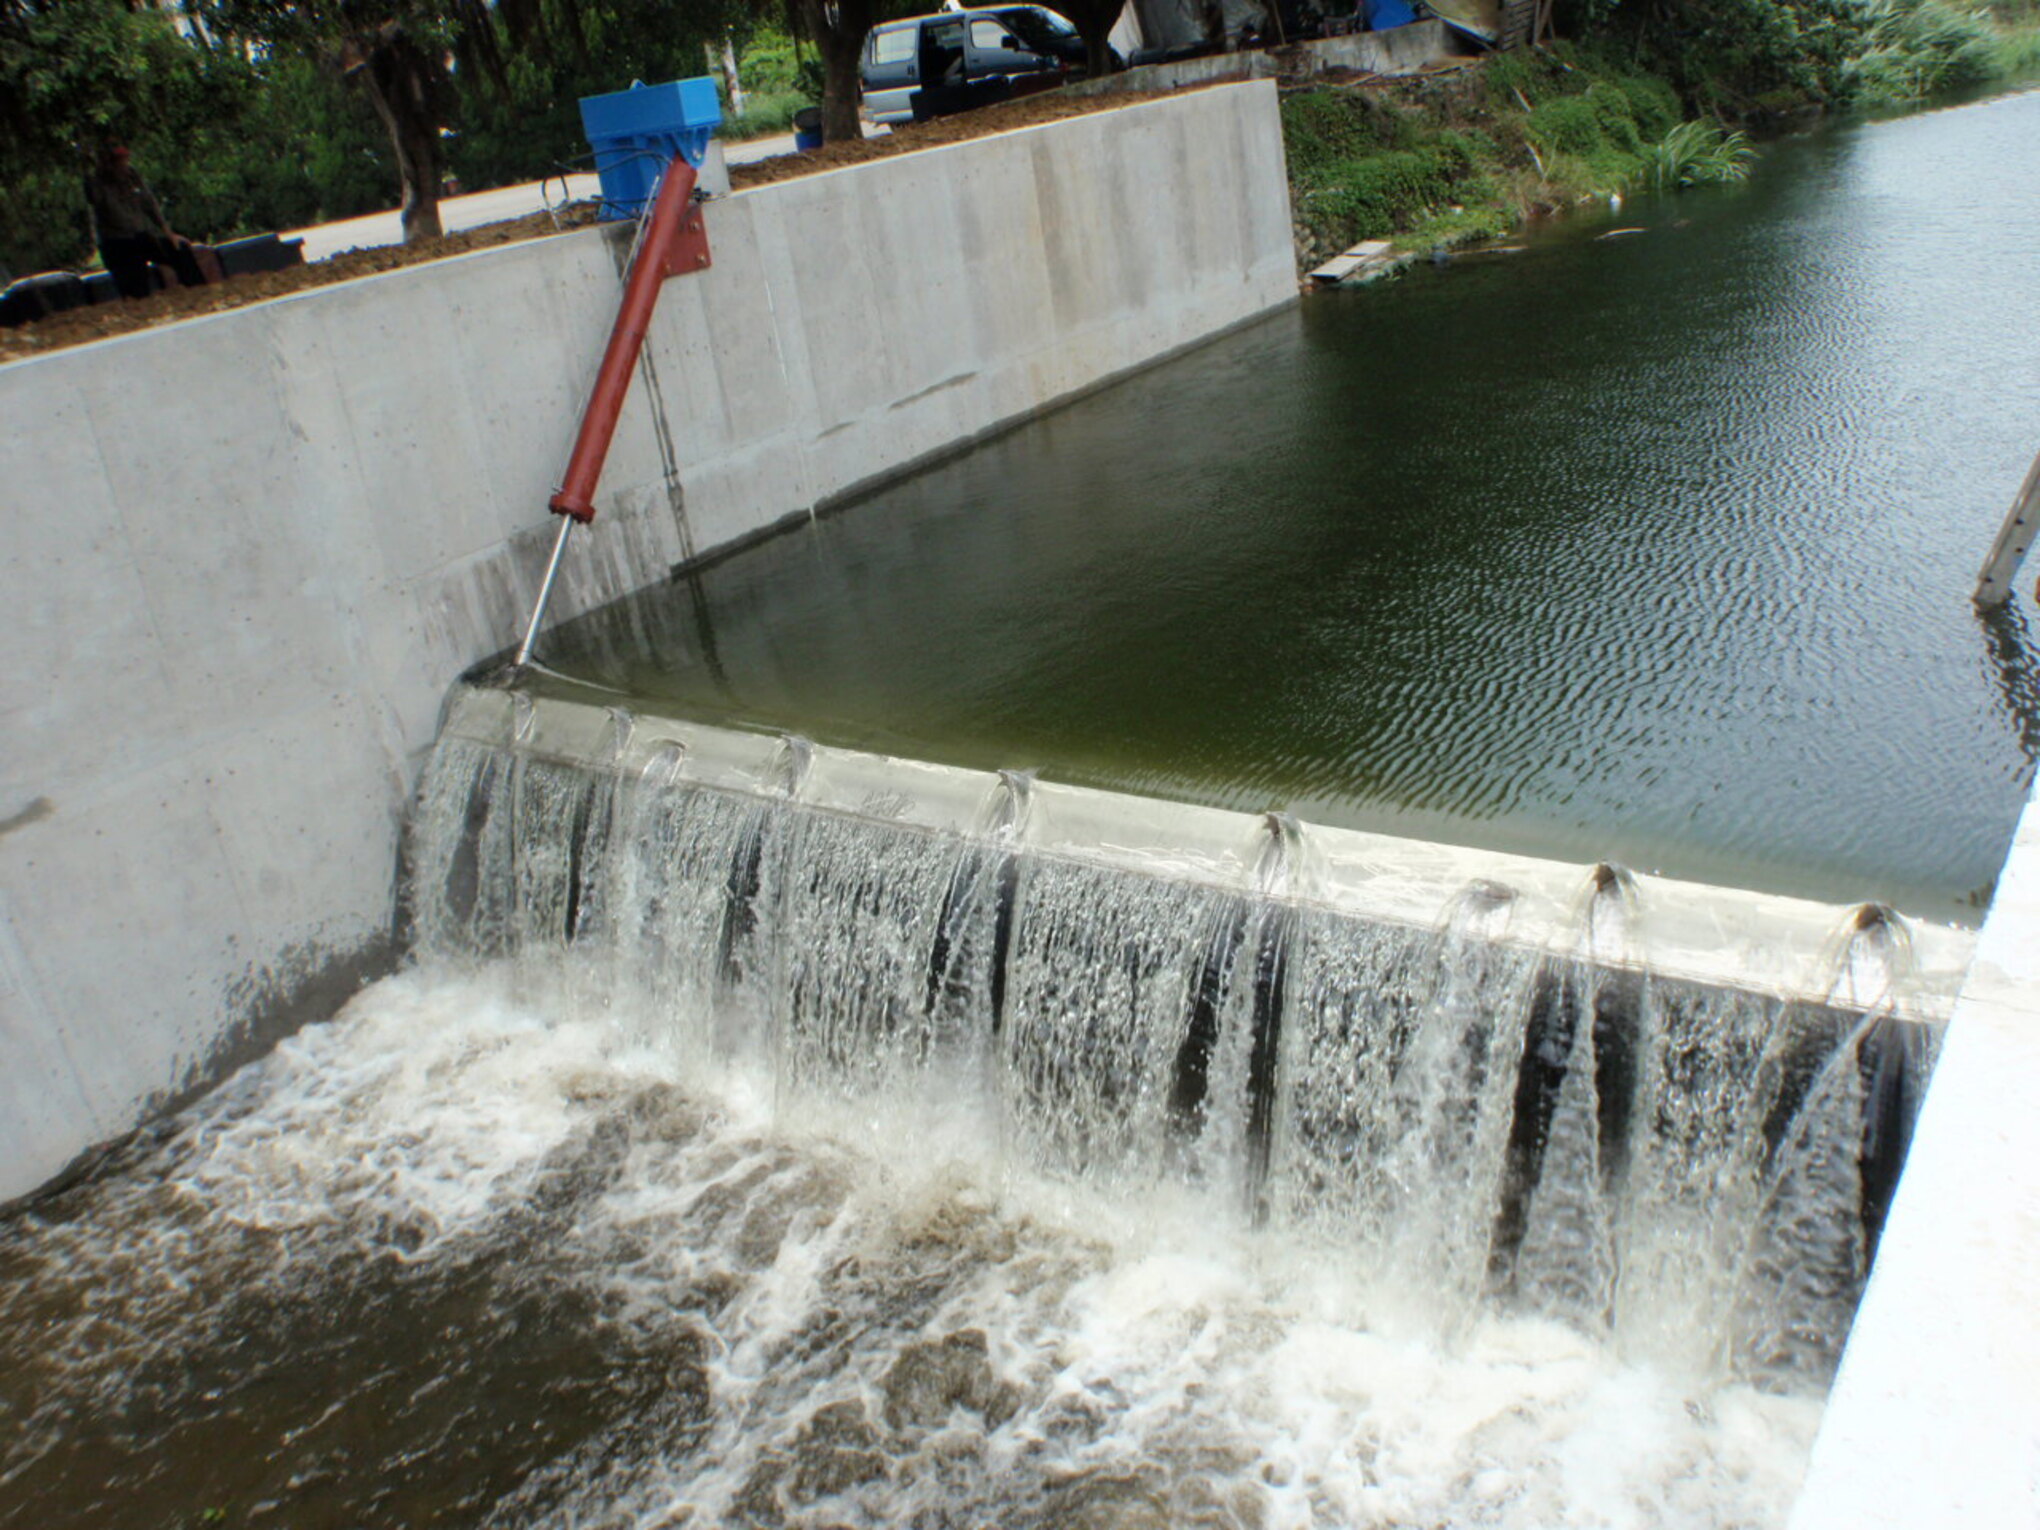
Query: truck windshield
pixel 1038 31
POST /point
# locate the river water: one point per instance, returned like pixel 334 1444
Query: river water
pixel 1649 546
pixel 1656 545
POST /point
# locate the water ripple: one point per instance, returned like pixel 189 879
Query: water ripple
pixel 1658 548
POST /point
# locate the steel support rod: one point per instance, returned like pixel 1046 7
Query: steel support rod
pixel 545 587
pixel 1994 586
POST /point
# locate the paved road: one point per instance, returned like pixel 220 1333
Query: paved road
pixel 455 213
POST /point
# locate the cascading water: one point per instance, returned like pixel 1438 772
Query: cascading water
pixel 776 1136
pixel 1473 1121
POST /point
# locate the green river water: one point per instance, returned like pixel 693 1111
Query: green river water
pixel 1654 546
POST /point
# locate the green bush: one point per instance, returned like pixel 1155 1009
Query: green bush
pixel 1568 125
pixel 1918 48
pixel 1744 59
pixel 764 114
pixel 1524 75
pixel 1653 104
pixel 771 63
pixel 1368 195
pixel 2017 55
pixel 1696 153
pixel 1324 128
pixel 1593 140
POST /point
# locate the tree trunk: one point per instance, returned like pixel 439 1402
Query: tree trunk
pixel 730 74
pixel 1094 21
pixel 403 90
pixel 840 53
pixel 1098 53
pixel 837 29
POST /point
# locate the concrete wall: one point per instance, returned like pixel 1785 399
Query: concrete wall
pixel 250 552
pixel 1400 50
pixel 1934 1421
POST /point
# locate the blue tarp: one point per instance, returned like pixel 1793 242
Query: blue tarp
pixel 1383 14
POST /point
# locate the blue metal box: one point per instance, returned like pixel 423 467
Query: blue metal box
pixel 635 133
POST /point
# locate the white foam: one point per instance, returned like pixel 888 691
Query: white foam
pixel 1157 1352
pixel 425 1104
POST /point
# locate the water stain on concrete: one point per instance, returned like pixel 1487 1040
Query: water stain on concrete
pixel 35 812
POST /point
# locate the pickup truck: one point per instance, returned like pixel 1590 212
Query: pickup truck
pixel 927 66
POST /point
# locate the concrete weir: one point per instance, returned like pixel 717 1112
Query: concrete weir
pixel 1686 932
pixel 267 540
pixel 262 544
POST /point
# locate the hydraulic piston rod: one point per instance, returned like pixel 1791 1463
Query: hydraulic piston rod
pixel 673 241
pixel 545 585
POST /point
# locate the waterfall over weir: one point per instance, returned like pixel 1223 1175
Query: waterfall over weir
pixel 1666 1113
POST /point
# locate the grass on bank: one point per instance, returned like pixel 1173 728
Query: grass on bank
pixel 1471 155
pixel 2015 44
pixel 764 114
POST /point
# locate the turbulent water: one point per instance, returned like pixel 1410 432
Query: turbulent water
pixel 731 1162
pixel 474 1254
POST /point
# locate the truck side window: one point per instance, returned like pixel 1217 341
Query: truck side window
pixel 942 52
pixel 988 35
pixel 893 45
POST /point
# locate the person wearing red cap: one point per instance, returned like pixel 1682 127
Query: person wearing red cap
pixel 129 227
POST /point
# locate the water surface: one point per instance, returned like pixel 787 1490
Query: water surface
pixel 1648 545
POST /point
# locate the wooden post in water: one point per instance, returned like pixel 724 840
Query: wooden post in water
pixel 1994 587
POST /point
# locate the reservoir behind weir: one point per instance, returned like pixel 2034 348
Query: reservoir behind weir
pixel 1654 546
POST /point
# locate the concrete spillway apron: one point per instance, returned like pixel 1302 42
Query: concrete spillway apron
pixel 671 241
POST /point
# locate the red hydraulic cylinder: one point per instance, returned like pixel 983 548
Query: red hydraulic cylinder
pixel 674 241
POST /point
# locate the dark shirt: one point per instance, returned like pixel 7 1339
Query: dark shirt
pixel 122 206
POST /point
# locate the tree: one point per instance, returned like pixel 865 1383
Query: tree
pixel 243 118
pixel 837 28
pixel 528 122
pixel 72 74
pixel 406 80
pixel 1094 21
pixel 398 52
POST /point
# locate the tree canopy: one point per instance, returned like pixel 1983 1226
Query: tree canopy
pixel 248 115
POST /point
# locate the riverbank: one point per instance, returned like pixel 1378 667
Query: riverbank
pixel 1459 156
pixel 1449 159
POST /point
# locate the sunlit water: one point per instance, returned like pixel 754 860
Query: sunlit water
pixel 1655 548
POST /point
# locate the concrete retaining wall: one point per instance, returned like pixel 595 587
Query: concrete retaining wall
pixel 1934 1421
pixel 250 552
pixel 1400 50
